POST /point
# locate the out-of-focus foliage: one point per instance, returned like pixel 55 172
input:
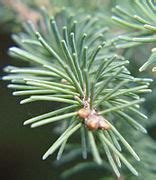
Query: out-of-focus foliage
pixel 138 17
pixel 13 12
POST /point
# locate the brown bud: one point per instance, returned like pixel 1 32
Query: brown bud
pixel 83 113
pixel 92 122
pixel 103 124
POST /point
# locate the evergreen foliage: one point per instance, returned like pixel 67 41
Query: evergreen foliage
pixel 73 58
pixel 139 22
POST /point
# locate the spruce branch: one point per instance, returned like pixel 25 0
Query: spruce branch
pixel 75 68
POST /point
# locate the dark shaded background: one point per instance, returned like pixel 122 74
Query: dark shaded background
pixel 21 148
